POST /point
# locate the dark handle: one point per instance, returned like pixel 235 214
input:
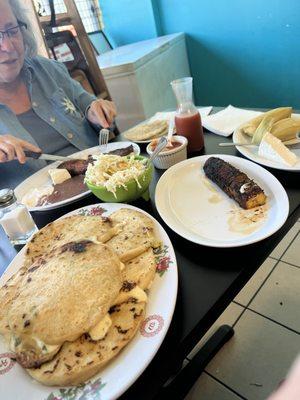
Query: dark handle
pixel 32 154
pixel 179 387
pixel 53 14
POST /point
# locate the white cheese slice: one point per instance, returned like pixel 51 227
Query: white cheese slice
pixel 99 331
pixel 32 197
pixel 59 175
pixel 273 149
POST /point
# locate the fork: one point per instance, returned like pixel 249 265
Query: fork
pixel 103 137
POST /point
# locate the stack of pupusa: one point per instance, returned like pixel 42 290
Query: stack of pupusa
pixel 147 131
pixel 77 301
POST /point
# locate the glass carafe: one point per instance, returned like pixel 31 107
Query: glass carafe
pixel 187 118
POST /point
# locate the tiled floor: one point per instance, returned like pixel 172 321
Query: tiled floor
pixel 266 320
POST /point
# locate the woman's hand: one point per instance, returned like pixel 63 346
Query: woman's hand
pixel 102 112
pixel 12 148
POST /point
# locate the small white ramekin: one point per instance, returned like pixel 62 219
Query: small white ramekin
pixel 166 159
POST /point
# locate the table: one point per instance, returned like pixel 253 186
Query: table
pixel 209 279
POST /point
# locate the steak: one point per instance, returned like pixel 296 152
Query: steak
pixel 75 167
pixel 122 152
pixel 78 167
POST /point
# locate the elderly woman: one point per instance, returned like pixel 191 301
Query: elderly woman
pixel 41 106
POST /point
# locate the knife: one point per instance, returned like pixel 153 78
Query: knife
pixel 42 156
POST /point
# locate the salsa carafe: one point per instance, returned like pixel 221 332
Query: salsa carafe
pixel 187 118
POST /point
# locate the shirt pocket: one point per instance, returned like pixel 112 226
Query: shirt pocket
pixel 66 106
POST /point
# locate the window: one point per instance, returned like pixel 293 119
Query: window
pixel 89 11
pixel 43 8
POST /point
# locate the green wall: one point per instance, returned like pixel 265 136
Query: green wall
pixel 128 21
pixel 241 52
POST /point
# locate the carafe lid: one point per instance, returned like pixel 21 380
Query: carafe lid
pixel 7 197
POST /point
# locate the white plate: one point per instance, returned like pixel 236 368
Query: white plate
pixel 252 153
pixel 41 178
pixel 140 141
pixel 126 367
pixel 201 212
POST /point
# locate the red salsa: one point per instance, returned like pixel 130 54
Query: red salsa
pixel 174 144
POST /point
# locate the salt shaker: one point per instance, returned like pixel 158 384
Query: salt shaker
pixel 15 218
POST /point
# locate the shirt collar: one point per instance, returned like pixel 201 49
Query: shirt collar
pixel 28 74
pixel 28 71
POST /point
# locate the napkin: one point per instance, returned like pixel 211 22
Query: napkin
pixel 225 122
pixel 204 111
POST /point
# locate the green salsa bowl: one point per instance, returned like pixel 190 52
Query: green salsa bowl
pixel 132 191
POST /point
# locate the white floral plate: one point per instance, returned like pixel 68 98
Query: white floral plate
pixel 127 366
pixel 41 178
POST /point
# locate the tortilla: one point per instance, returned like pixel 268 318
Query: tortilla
pixel 8 293
pixel 63 231
pixel 80 360
pixel 136 236
pixel 66 292
pixel 141 269
pixel 147 131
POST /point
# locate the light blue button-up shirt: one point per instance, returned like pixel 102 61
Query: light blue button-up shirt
pixel 58 100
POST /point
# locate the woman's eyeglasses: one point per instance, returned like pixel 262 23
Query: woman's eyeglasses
pixel 13 32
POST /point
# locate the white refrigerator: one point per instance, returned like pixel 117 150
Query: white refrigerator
pixel 138 76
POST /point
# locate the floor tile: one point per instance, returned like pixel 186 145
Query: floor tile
pixel 292 255
pixel 257 358
pixel 229 316
pixel 283 245
pixel 207 388
pixel 278 299
pixel 249 290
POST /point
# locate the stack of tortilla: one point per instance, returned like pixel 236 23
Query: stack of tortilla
pixel 149 131
pixel 79 297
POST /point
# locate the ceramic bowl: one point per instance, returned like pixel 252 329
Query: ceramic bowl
pixel 166 159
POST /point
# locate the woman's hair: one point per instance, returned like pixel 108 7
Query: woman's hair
pixel 28 37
